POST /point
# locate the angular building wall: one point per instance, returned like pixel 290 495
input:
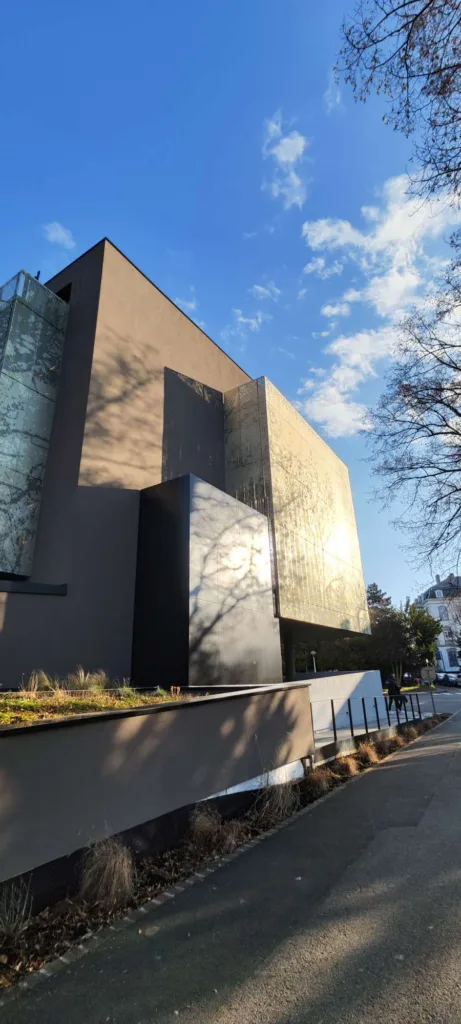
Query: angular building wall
pixel 277 463
pixel 204 609
pixel 32 330
pixel 129 357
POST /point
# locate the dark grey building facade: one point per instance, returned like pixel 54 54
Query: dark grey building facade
pixel 151 523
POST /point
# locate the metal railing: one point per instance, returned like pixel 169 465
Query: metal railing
pixel 343 717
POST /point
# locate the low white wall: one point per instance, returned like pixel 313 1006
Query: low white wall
pixel 341 688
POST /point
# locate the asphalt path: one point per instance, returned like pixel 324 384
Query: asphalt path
pixel 351 913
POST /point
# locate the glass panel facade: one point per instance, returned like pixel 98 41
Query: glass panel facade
pixel 277 463
pixel 32 331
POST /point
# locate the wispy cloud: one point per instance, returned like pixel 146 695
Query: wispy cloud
pixel 189 305
pixel 319 267
pixel 332 98
pixel 249 234
pixel 286 352
pixel 59 235
pixel 243 325
pixel 285 150
pixel 390 254
pixel 340 309
pixel 265 291
pixel 302 294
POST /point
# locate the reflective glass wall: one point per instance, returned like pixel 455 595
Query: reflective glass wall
pixel 277 463
pixel 32 331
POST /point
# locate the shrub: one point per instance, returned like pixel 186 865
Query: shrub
pixel 366 753
pixel 108 874
pixel 15 911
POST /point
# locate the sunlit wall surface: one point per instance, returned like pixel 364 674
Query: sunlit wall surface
pixel 277 463
pixel 233 635
pixel 32 330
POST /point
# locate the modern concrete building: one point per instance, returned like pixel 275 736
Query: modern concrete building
pixel 155 502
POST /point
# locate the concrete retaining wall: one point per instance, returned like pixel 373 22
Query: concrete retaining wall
pixel 65 784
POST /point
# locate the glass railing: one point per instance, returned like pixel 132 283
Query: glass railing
pixel 35 295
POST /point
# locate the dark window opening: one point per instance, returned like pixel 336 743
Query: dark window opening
pixel 12 576
pixel 64 293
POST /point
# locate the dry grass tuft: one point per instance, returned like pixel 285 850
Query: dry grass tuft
pixel 397 741
pixel 233 834
pixel 346 767
pixel 209 834
pixel 366 753
pixel 276 803
pixel 15 911
pixel 205 826
pixel 108 874
pixel 410 733
pixel 39 681
pixel 384 746
pixel 317 783
pixel 81 680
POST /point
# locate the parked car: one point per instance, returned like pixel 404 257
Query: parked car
pixel 449 678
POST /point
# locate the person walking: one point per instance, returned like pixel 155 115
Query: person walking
pixel 393 690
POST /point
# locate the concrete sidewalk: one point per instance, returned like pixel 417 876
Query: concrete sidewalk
pixel 352 913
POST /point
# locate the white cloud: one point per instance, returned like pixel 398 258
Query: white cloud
pixel 390 252
pixel 396 230
pixel 318 267
pixel 290 148
pixel 266 291
pixel 243 325
pixel 340 309
pixel 321 334
pixel 286 352
pixel 189 305
pixel 284 150
pixel 332 96
pixel 249 234
pixel 302 293
pixel 59 235
pixel 328 401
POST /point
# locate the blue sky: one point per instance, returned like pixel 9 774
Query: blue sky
pixel 209 142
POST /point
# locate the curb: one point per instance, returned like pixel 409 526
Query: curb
pixel 92 940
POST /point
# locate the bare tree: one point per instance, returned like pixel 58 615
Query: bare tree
pixel 410 51
pixel 416 442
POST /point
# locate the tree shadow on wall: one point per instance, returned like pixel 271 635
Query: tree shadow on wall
pixel 123 428
pixel 193 429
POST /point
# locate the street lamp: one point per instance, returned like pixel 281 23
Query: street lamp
pixel 313 654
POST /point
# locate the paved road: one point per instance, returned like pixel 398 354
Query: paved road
pixel 350 915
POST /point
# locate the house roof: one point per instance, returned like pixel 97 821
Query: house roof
pixel 450 587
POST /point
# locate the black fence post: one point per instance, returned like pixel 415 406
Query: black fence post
pixel 419 705
pixel 432 698
pixel 387 703
pixel 412 708
pixel 397 711
pixel 377 713
pixel 405 709
pixel 349 706
pixel 365 715
pixel 335 733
